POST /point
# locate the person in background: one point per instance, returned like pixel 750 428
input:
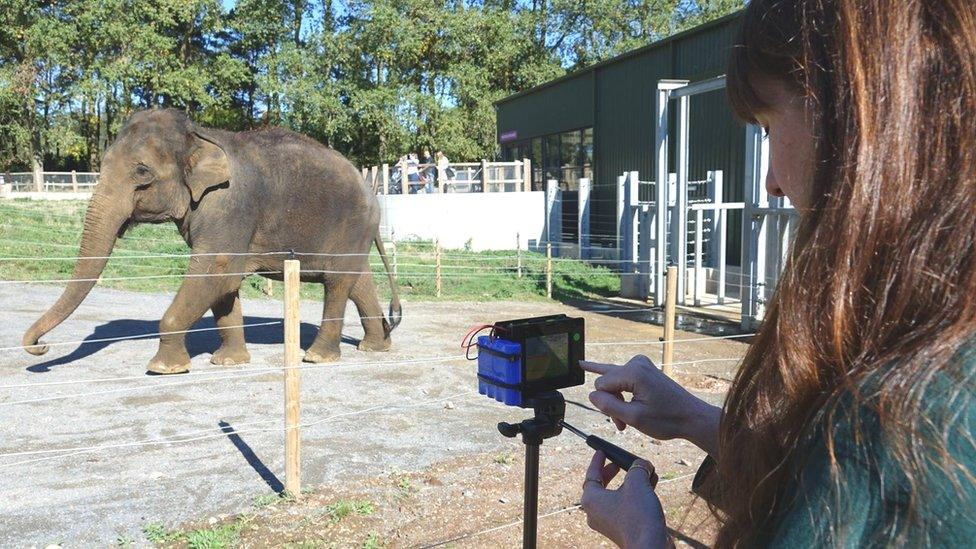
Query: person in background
pixel 428 174
pixel 443 168
pixel 852 419
pixel 413 174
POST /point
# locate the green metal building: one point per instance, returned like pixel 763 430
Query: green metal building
pixel 599 122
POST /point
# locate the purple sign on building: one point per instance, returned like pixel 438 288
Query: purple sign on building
pixel 510 135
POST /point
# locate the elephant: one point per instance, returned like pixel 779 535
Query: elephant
pixel 239 199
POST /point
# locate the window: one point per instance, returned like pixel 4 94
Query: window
pixel 537 180
pixel 571 156
pixel 587 153
pixel 551 166
pixel 565 157
pixel 507 152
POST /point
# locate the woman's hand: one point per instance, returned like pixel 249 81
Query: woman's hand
pixel 659 408
pixel 631 516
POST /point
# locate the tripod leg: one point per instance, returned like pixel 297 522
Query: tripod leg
pixel 530 512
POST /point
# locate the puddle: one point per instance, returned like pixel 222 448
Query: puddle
pixel 708 326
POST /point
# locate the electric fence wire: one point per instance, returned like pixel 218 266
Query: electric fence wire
pixel 379 317
pixel 506 270
pixel 194 436
pixel 446 272
pixel 252 372
pixel 230 373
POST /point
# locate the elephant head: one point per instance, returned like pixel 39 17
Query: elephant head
pixel 158 169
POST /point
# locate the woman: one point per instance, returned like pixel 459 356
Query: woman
pixel 851 420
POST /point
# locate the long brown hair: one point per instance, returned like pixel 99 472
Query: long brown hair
pixel 881 284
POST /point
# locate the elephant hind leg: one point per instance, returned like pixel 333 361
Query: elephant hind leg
pixel 375 326
pixel 229 318
pixel 325 348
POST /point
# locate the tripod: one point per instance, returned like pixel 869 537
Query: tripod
pixel 550 409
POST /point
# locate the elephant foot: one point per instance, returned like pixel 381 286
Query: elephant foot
pixel 375 344
pixel 229 356
pixel 169 363
pixel 320 354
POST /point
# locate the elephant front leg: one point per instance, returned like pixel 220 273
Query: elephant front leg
pixel 197 294
pixel 229 318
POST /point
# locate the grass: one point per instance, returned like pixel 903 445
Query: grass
pixel 218 537
pixel 53 229
pixel 404 485
pixel 344 508
pixel 503 459
pixel 372 541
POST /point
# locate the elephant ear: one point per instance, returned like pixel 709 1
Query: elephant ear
pixel 206 167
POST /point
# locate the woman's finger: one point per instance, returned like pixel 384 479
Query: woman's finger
pixel 615 381
pixel 610 471
pixel 641 473
pixel 595 469
pixel 597 367
pixel 594 488
pixel 615 407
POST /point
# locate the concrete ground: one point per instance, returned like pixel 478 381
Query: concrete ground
pixel 128 452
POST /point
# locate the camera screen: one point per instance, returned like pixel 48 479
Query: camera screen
pixel 546 356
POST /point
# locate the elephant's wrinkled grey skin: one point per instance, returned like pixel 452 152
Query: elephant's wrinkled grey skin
pixel 234 193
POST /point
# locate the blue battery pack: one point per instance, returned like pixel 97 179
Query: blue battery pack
pixel 500 370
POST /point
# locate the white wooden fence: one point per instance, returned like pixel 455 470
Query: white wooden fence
pixel 47 182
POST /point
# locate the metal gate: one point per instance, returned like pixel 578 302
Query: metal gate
pixel 692 220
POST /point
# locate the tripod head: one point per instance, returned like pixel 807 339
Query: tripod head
pixel 550 410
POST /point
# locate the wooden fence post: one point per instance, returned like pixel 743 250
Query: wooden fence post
pixel 549 270
pixel 386 178
pixel 484 176
pixel 74 181
pixel 669 306
pixel 292 393
pixel 526 174
pixel 268 287
pixel 518 253
pixel 437 255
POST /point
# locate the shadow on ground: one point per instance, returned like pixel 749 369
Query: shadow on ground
pixel 251 458
pixel 197 343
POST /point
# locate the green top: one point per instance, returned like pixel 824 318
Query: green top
pixel 871 489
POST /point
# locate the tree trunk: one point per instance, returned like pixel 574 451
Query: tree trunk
pixel 34 150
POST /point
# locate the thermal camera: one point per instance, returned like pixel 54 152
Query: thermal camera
pixel 526 357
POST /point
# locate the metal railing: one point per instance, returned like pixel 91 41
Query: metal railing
pixel 456 177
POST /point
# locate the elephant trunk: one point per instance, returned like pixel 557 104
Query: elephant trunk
pixel 103 220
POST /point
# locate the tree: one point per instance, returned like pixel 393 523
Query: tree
pixel 371 78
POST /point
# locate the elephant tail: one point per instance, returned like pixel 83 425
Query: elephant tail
pixel 396 310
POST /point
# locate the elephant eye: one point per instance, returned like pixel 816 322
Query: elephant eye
pixel 143 175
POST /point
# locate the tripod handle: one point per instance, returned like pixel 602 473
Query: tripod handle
pixel 620 457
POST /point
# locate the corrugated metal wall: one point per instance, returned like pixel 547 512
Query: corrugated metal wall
pixel 617 97
pixel 565 106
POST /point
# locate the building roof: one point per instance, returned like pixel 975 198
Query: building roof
pixel 626 55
